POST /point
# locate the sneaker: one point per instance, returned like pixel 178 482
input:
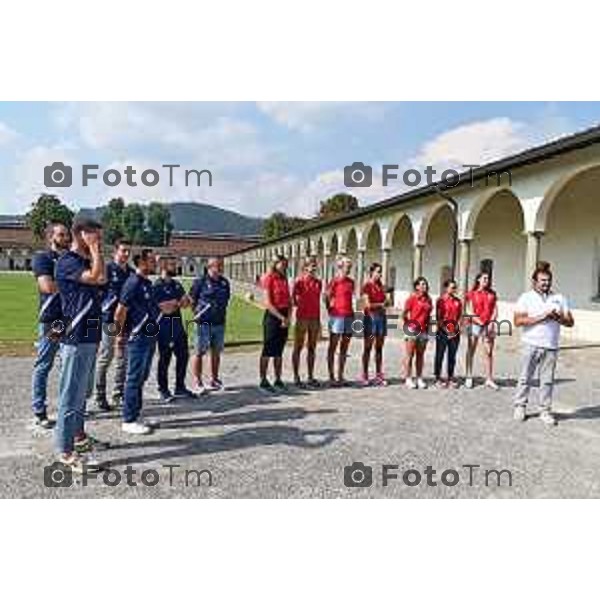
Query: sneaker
pixel 421 384
pixel 200 389
pixel 410 383
pixel 547 417
pixel 469 383
pixel 217 384
pixel 184 393
pixel 454 384
pixel 363 381
pixel 78 464
pixel 519 413
pixel 136 428
pixel 440 384
pixel 102 405
pixel 166 396
pixel 490 383
pixel 41 420
pixel 380 380
pixel 213 386
pixel 280 386
pixel 299 384
pixel 88 444
pixel 265 386
pixel 313 383
pixel 117 400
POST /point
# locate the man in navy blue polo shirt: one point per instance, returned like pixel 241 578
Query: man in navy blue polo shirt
pixel 117 273
pixel 136 320
pixel 210 296
pixel 79 277
pixel 172 337
pixel 43 266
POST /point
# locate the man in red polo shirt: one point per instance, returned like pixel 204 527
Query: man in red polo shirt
pixel 340 302
pixel 275 323
pixel 306 296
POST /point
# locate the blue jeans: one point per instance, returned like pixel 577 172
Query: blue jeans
pixel 77 363
pixel 140 351
pixel 46 352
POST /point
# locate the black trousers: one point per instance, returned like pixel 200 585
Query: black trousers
pixel 443 342
pixel 172 339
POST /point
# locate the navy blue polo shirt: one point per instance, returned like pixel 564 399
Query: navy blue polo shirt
pixel 81 302
pixel 142 309
pixel 165 290
pixel 44 264
pixel 116 276
pixel 214 292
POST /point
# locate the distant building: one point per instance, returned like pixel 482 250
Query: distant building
pixel 192 249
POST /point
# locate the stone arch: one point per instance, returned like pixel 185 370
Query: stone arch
pixel 401 257
pixel 470 217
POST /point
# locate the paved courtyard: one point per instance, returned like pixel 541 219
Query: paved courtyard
pixel 297 444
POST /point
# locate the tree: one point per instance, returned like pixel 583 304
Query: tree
pixel 133 224
pixel 279 223
pixel 338 205
pixel 158 225
pixel 112 220
pixel 45 209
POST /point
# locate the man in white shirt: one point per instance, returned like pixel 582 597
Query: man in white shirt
pixel 540 313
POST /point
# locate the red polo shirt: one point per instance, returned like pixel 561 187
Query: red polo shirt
pixel 278 290
pixel 483 303
pixel 448 309
pixel 375 292
pixel 307 297
pixel 419 309
pixel 341 293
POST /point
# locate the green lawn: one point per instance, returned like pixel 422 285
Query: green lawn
pixel 19 306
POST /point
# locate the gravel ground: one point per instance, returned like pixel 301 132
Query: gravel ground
pixel 297 444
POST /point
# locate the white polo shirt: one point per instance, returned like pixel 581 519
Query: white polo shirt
pixel 547 333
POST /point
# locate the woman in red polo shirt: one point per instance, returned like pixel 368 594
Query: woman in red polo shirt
pixel 481 313
pixel 417 315
pixel 340 304
pixel 448 310
pixel 275 323
pixel 375 325
pixel 306 297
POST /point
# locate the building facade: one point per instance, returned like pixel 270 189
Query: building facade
pixel 542 204
pixel 192 250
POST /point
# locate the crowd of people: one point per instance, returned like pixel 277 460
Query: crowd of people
pixel 98 314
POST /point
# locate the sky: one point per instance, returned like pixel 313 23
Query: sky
pixel 263 156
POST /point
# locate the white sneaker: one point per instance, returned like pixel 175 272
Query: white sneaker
pixel 421 384
pixel 519 413
pixel 469 383
pixel 136 428
pixel 200 389
pixel 547 417
pixel 410 383
pixel 490 383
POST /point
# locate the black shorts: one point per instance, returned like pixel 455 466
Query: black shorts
pixel 274 335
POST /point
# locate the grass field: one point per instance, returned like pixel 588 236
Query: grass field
pixel 19 306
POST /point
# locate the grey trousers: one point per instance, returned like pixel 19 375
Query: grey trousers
pixel 105 358
pixel 535 359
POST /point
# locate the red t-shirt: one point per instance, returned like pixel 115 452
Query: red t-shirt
pixel 419 309
pixel 448 310
pixel 278 290
pixel 483 303
pixel 375 292
pixel 307 297
pixel 341 293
